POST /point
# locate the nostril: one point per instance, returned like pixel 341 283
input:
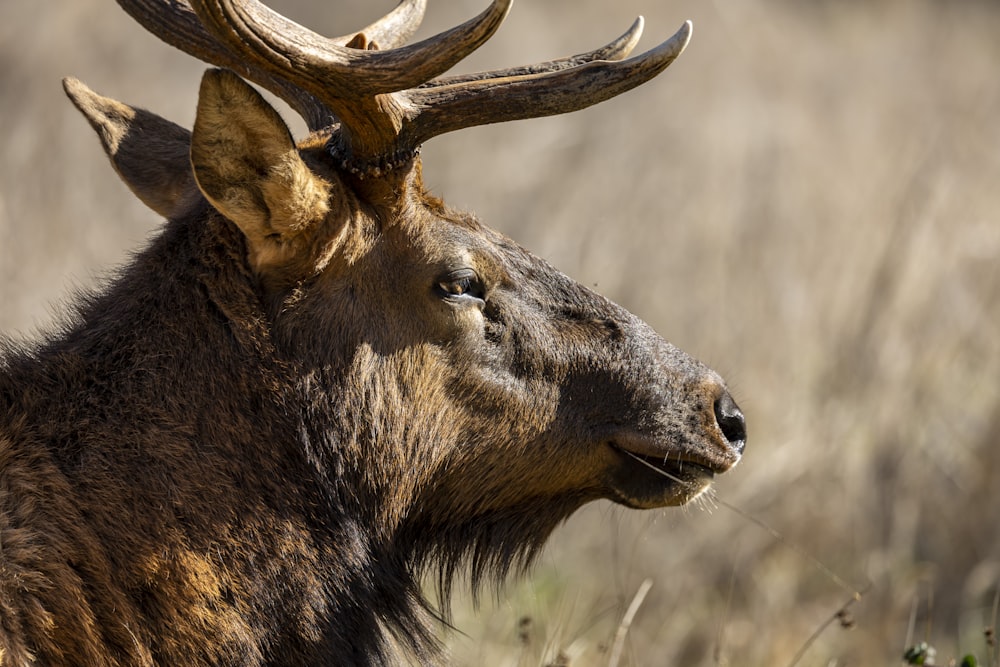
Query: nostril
pixel 731 422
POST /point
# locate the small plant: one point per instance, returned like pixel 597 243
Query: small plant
pixel 920 654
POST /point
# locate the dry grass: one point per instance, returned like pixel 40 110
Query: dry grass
pixel 808 200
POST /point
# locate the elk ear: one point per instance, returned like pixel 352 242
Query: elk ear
pixel 246 164
pixel 149 153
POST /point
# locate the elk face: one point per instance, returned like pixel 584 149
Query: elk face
pixel 560 393
pixel 499 381
pixel 478 378
pixel 493 385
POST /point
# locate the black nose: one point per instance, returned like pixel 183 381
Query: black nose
pixel 731 422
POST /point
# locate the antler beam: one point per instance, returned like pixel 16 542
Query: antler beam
pixel 501 98
pixel 615 50
pixel 335 72
pixel 390 98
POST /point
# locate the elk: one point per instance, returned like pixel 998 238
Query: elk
pixel 318 384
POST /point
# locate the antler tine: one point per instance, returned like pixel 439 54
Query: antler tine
pixel 175 22
pixel 388 102
pixel 615 50
pixel 394 28
pixel 481 102
pixel 333 72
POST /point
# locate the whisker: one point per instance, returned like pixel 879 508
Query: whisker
pixel 822 567
pixel 708 500
pixel 713 499
pixel 666 474
pixel 830 574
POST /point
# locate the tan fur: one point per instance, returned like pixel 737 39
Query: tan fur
pixel 250 169
pixel 148 152
pixel 308 392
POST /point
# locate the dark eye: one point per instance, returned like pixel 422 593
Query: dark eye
pixel 461 284
pixel 456 287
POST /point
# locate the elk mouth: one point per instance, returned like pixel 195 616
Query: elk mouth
pixel 643 480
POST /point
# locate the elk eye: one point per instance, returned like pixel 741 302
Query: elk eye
pixel 461 284
pixel 457 287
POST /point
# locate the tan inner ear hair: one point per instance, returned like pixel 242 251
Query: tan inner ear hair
pixel 296 197
pixel 247 165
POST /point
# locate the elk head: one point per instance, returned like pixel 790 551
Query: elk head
pixel 467 395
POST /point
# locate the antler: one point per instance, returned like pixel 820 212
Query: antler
pixel 388 102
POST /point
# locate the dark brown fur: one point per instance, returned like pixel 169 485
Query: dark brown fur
pixel 235 454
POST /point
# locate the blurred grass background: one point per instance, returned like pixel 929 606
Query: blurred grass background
pixel 808 200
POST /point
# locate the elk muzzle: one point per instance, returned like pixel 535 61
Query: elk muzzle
pixel 688 432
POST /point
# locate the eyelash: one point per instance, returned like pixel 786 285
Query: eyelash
pixel 459 287
pixel 462 286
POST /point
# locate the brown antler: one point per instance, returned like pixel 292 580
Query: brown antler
pixel 176 23
pixel 390 101
pixel 481 101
